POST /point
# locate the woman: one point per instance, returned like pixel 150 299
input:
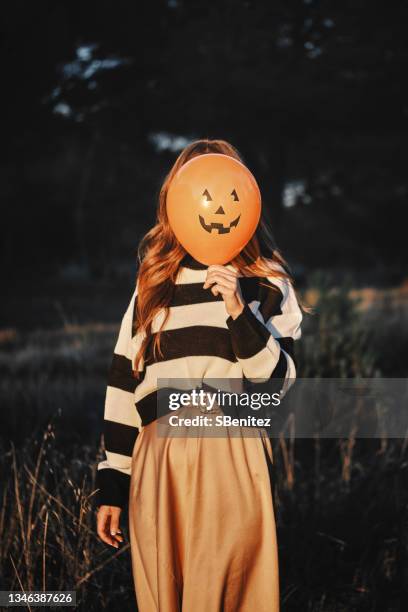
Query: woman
pixel 201 517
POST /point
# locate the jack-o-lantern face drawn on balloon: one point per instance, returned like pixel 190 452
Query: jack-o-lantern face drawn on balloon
pixel 213 206
pixel 222 229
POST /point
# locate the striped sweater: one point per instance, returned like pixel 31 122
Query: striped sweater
pixel 199 340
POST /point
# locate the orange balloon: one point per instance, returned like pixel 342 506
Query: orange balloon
pixel 213 206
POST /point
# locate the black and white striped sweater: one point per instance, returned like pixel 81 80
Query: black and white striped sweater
pixel 199 340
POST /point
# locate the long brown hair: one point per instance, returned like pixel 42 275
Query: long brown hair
pixel 160 254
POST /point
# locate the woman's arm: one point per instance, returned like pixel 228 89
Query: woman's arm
pixel 264 334
pixel 121 420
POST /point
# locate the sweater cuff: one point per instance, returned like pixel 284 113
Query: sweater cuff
pixel 114 488
pixel 246 337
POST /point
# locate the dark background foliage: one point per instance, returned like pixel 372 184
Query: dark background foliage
pixel 99 98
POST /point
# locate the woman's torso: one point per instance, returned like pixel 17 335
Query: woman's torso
pixel 195 339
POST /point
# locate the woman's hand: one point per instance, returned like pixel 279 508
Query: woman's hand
pixel 224 281
pixel 108 525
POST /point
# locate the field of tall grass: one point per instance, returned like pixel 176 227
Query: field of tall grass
pixel 342 505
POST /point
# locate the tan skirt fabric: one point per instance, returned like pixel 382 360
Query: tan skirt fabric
pixel 202 524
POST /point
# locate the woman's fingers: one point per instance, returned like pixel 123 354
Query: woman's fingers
pixel 114 523
pixel 217 277
pixel 103 521
pixel 226 272
pixel 225 282
pixel 226 292
pixel 108 525
pixel 221 280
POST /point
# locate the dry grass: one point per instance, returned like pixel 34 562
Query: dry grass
pixel 341 504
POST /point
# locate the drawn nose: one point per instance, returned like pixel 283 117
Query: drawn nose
pixel 220 211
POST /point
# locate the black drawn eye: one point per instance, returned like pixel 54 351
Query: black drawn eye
pixel 235 195
pixel 207 195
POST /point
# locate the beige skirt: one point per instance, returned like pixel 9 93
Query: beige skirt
pixel 201 522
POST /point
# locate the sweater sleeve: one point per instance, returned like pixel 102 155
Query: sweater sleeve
pixel 121 423
pixel 263 335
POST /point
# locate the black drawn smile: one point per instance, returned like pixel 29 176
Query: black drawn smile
pixel 218 226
